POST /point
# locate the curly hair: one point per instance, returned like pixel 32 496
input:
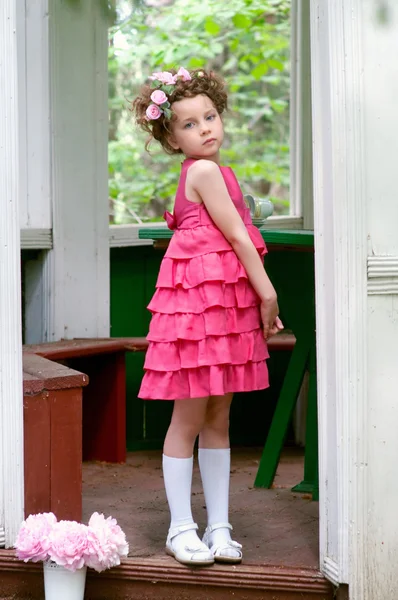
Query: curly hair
pixel 201 82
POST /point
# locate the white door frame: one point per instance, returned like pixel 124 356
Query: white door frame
pixel 341 287
pixel 11 403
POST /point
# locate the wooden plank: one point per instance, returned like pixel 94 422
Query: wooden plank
pixel 37 459
pixel 53 375
pixel 290 237
pixel 66 453
pixel 162 578
pixel 32 384
pixel 104 407
pixel 85 347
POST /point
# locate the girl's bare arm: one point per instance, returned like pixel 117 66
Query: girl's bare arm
pixel 204 177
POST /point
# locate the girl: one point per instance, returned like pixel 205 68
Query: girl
pixel 213 309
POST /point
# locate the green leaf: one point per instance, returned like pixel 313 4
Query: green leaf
pixel 259 71
pixel 276 64
pixel 212 27
pixel 241 21
pixel 196 63
pixel 237 38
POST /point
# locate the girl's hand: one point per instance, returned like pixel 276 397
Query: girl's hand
pixel 269 311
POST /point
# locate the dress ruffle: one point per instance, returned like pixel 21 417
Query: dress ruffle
pixel 205 335
pixel 206 239
pixel 201 382
pixel 232 349
pixel 192 326
pixel 198 299
pixel 188 273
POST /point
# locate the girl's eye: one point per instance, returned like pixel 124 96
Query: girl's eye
pixel 188 125
pixel 211 117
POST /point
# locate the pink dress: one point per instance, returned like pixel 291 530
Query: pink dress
pixel 205 336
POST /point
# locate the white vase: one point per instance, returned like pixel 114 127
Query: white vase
pixel 61 584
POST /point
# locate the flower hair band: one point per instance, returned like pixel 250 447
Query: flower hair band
pixel 163 82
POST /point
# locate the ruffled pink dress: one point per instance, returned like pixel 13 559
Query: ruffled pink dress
pixel 205 336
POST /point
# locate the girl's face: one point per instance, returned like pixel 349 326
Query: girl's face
pixel 197 129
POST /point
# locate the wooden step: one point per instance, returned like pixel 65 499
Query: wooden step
pixel 164 579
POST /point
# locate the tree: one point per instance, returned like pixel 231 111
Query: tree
pixel 247 41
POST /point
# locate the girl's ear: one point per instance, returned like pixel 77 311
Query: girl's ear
pixel 173 143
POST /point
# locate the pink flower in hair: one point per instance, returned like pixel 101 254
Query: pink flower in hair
pixel 153 112
pixel 184 74
pixel 164 77
pixel 33 537
pixel 158 97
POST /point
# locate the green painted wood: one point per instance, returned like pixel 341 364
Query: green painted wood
pixel 282 416
pixel 290 237
pixel 133 277
pixel 310 482
pixel 295 285
pixel 155 233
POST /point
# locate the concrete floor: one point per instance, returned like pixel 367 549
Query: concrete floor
pixel 276 527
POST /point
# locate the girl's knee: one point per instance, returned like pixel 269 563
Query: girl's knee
pixel 217 421
pixel 187 425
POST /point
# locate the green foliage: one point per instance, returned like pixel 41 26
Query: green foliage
pixel 247 42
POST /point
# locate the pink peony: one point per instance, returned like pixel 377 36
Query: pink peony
pixel 164 77
pixel 33 537
pixel 106 543
pixel 68 544
pixel 153 112
pixel 184 74
pixel 158 97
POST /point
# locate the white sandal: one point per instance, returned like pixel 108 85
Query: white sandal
pixel 220 552
pixel 198 556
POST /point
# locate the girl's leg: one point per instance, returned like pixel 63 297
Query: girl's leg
pixel 215 463
pixel 186 422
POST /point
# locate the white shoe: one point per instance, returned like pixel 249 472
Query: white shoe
pixel 197 555
pixel 228 552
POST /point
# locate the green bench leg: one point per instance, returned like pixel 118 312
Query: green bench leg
pixel 283 413
pixel 310 482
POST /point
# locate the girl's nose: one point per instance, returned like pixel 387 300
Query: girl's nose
pixel 205 128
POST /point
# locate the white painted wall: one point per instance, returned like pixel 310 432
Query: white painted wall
pixel 301 193
pixel 11 416
pixel 34 132
pixel 333 216
pixel 355 85
pixel 380 83
pixel 75 275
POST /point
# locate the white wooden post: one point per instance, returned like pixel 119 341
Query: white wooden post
pixel 77 269
pixel 11 415
pixel 340 252
pixel 340 260
pixel 301 177
pixel 301 193
pixel 35 169
pixel 380 84
pixel 354 77
pixel 67 289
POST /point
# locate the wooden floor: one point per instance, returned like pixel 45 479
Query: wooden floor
pixel 276 527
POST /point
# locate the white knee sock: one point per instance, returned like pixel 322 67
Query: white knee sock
pixel 215 465
pixel 177 473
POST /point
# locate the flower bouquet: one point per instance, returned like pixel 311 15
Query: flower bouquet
pixel 67 548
